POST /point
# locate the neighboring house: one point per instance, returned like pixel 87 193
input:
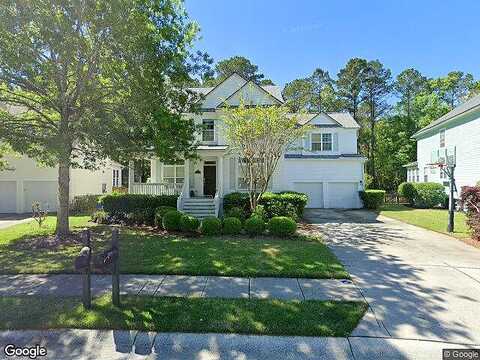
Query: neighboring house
pixel 328 168
pixel 27 182
pixel 457 132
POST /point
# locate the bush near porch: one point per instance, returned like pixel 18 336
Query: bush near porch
pixel 274 204
pixel 423 195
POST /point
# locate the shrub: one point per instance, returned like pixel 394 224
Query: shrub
pixel 254 226
pixel 232 226
pixel 236 200
pixel 282 226
pixel 470 201
pixel 84 204
pixel 282 209
pixel 160 211
pixel 171 220
pixel 189 223
pixel 372 199
pixel 122 204
pixel 211 226
pixel 236 212
pixel 407 191
pixel 429 195
pixel 100 217
pixel 260 211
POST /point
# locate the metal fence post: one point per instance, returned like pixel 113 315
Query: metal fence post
pixel 116 268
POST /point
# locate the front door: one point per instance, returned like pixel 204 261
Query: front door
pixel 209 180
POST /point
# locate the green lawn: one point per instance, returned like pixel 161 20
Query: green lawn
pixel 264 317
pixel 147 253
pixel 432 219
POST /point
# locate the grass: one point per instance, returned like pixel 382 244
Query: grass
pixel 431 219
pixel 148 253
pixel 241 316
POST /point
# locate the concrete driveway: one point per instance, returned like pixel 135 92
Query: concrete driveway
pixel 7 220
pixel 419 284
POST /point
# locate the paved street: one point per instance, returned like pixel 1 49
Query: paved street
pixel 419 284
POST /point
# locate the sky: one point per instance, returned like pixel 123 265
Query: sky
pixel 289 39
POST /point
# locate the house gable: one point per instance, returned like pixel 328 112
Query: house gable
pixel 222 91
pixel 323 120
pixel 251 94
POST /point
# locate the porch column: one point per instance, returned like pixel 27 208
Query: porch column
pixel 186 177
pixel 131 174
pixel 220 175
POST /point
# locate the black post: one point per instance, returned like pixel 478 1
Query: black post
pixel 116 268
pixel 451 202
pixel 87 281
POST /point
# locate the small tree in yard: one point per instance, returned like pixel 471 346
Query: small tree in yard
pixel 259 135
pixel 470 201
pixel 94 79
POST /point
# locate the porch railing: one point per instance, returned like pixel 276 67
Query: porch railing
pixel 156 188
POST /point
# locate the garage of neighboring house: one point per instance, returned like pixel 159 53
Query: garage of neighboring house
pixel 43 192
pixel 8 196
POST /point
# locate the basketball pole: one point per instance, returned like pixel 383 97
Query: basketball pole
pixel 451 201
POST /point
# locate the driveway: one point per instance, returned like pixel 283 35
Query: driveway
pixel 7 220
pixel 419 284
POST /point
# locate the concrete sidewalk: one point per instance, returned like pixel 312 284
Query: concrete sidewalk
pixel 111 344
pixel 184 286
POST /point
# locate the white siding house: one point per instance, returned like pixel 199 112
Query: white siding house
pixel 328 167
pixel 457 132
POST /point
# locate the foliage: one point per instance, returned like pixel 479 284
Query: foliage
pixel 407 190
pixel 429 195
pixel 138 217
pixel 160 212
pixel 454 87
pixel 236 212
pixel 297 94
pixel 259 136
pixel 171 220
pixel 39 214
pixel 189 223
pixel 254 226
pixel 241 66
pixel 97 80
pixel 236 200
pixel 232 226
pixel 372 199
pixel 260 211
pixel 350 85
pixel 84 204
pixel 121 204
pixel 470 200
pixel 211 226
pixel 100 217
pixel 282 226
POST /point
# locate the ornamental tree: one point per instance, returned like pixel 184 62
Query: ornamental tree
pixel 259 136
pixel 94 79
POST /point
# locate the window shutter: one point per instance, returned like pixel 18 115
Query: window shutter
pixel 335 142
pixel 306 143
pixel 232 173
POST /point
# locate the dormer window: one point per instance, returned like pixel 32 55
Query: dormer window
pixel 208 131
pixel 322 142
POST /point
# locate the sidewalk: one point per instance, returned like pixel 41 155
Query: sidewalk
pixel 111 344
pixel 184 286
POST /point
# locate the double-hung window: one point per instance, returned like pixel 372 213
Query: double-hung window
pixel 116 178
pixel 208 130
pixel 322 142
pixel 173 173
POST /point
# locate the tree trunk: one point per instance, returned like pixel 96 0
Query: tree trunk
pixel 372 145
pixel 63 227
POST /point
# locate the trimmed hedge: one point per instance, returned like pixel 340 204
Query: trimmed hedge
pixel 84 204
pixel 282 226
pixel 211 226
pixel 160 212
pixel 286 203
pixel 236 212
pixel 429 195
pixel 171 220
pixel 232 226
pixel 122 204
pixel 372 199
pixel 189 223
pixel 254 226
pixel 407 191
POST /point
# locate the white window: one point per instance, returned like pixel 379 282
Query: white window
pixel 208 131
pixel 442 138
pixel 116 178
pixel 322 142
pixel 173 173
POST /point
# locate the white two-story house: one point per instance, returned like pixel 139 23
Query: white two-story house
pixel 458 134
pixel 326 166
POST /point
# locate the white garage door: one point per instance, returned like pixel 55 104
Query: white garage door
pixel 342 195
pixel 8 197
pixel 44 192
pixel 314 190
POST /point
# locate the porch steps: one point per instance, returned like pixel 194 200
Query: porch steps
pixel 199 207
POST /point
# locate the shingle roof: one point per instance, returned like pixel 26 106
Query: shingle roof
pixel 274 90
pixel 344 119
pixel 466 106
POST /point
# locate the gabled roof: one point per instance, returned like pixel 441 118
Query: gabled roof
pixel 342 119
pixel 470 105
pixel 251 83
